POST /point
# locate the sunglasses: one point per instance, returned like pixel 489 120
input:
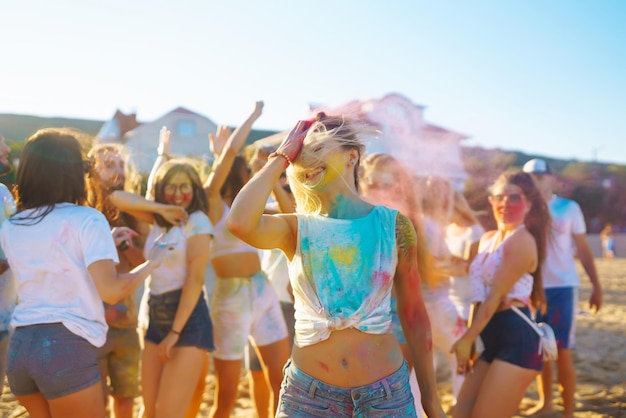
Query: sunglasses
pixel 511 198
pixel 170 189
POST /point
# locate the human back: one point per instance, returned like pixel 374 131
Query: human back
pixel 53 282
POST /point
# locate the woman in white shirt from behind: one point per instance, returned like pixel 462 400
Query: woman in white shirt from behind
pixel 63 258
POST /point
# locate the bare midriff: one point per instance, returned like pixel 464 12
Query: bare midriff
pixel 236 265
pixel 350 358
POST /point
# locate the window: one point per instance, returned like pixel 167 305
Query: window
pixel 186 128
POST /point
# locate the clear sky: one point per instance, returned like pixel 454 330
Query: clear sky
pixel 539 76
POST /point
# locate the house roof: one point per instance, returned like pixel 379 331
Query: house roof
pixel 181 109
pixel 118 125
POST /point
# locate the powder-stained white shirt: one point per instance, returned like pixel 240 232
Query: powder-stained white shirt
pixel 49 260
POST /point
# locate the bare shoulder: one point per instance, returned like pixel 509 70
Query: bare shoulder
pixel 521 242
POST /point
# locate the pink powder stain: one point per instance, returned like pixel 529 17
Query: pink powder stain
pixel 428 343
pixel 487 314
pixel 409 315
pixel 64 233
pixel 324 366
pixel 460 327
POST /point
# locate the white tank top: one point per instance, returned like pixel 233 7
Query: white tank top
pixel 342 274
pixel 484 267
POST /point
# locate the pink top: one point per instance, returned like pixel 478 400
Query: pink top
pixel 484 267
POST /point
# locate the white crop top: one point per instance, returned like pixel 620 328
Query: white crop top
pixel 226 243
pixel 342 274
pixel 172 272
pixel 484 267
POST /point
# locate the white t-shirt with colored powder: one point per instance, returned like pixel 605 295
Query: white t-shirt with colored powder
pixel 49 260
pixel 172 272
pixel 559 269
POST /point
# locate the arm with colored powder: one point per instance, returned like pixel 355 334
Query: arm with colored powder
pixel 413 316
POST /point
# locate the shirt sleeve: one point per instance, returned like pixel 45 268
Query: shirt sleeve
pixel 578 220
pixel 96 239
pixel 198 223
pixel 477 232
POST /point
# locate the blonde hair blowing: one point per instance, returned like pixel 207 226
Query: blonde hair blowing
pixel 327 135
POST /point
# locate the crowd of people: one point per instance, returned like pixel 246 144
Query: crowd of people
pixel 338 274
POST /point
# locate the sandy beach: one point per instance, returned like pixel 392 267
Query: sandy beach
pixel 600 359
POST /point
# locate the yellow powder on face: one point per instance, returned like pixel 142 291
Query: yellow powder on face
pixel 334 167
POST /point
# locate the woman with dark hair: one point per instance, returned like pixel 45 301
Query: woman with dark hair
pixel 345 255
pixel 244 304
pixel 179 330
pixel 63 258
pixel 506 272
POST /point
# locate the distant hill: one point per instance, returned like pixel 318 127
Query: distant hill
pixel 20 127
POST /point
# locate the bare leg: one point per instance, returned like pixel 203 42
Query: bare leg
pixel 544 389
pixel 123 406
pixel 151 369
pixel 88 402
pixel 567 381
pixel 470 389
pixel 502 390
pixel 273 358
pixel 198 394
pixel 36 405
pixel 260 393
pixel 226 383
pixel 178 381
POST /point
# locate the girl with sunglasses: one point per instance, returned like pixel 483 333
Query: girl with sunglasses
pixel 179 333
pixel 506 272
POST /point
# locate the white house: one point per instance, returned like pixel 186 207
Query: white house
pixel 189 137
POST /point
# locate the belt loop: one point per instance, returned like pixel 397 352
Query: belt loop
pixel 387 389
pixel 312 389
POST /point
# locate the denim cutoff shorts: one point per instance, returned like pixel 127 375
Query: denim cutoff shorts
pixel 51 360
pixel 197 332
pixel 509 338
pixel 302 395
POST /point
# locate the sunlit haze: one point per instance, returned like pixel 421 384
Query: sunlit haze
pixel 543 77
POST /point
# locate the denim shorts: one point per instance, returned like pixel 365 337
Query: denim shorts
pixel 51 360
pixel 302 395
pixel 119 356
pixel 509 338
pixel 561 315
pixel 197 332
